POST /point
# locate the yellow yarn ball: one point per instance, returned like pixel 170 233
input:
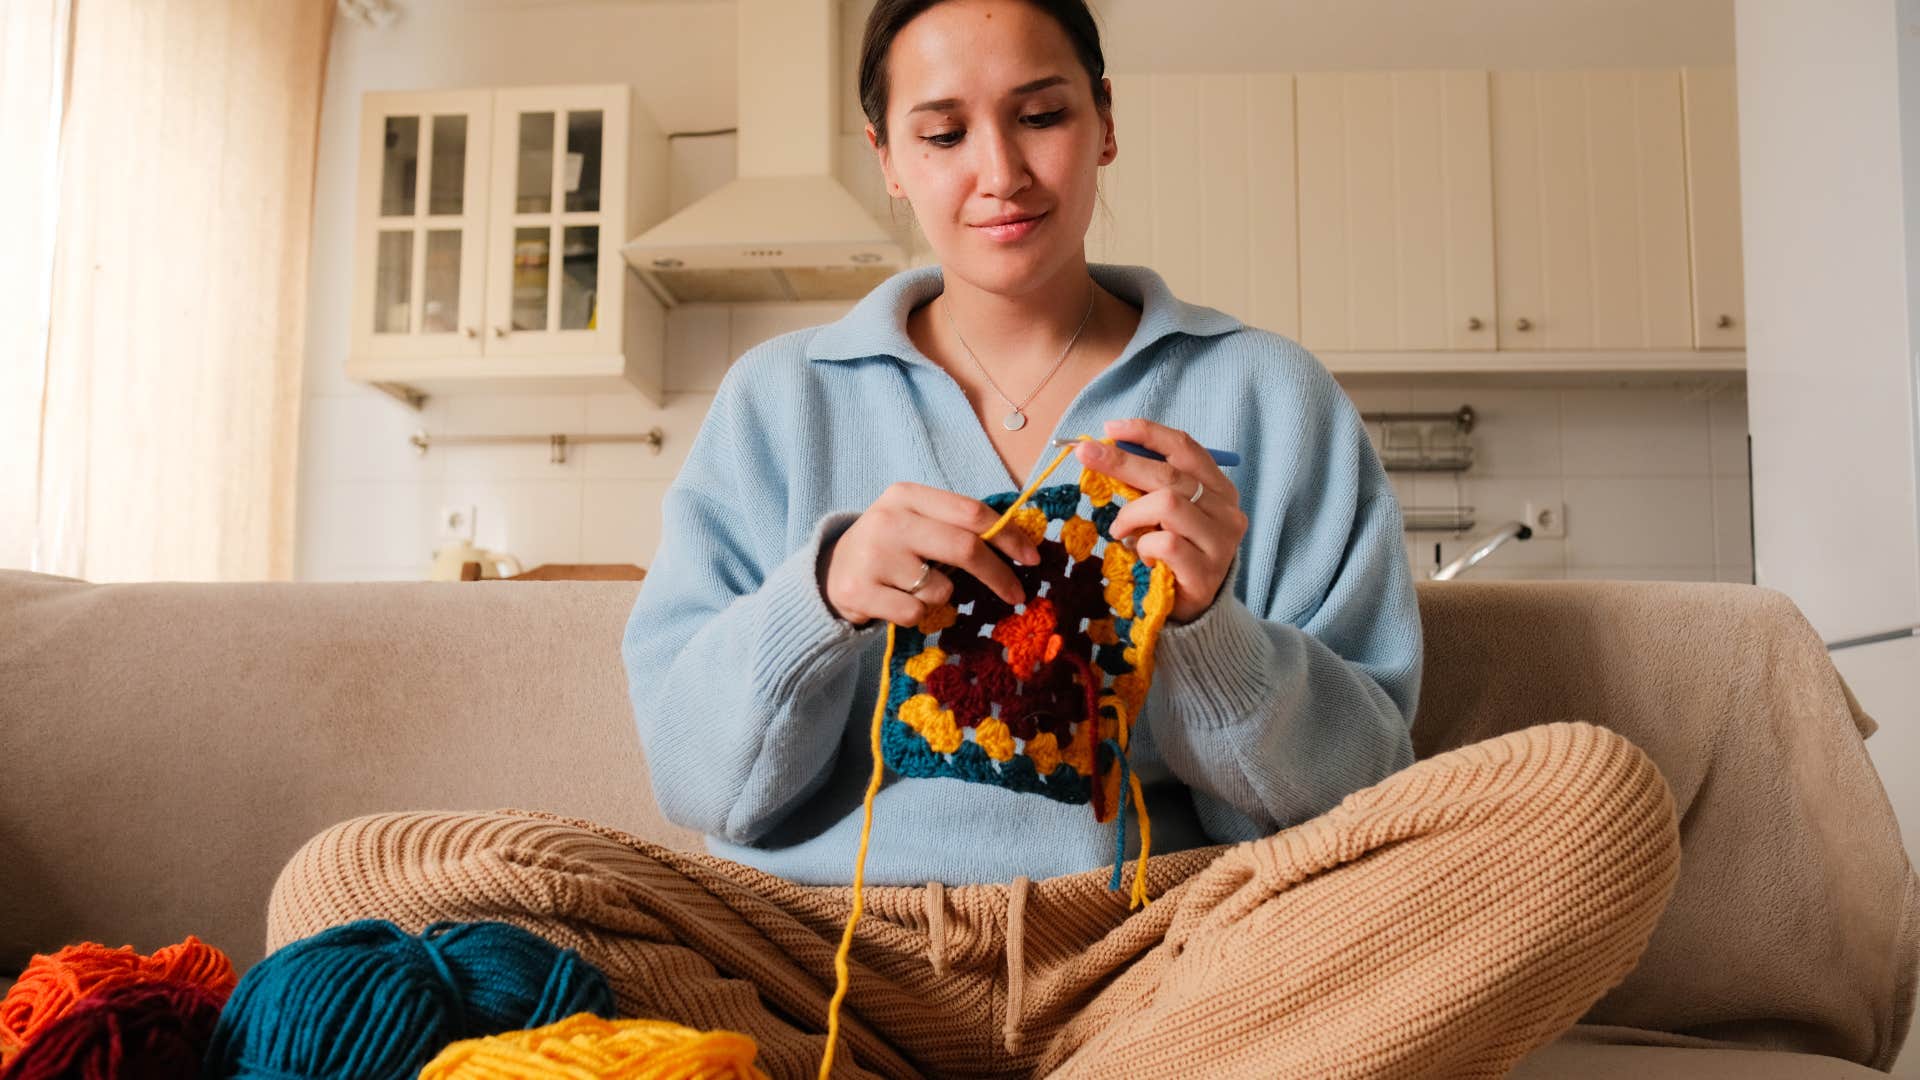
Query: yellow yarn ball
pixel 585 1047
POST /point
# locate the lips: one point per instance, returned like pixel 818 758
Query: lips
pixel 1011 227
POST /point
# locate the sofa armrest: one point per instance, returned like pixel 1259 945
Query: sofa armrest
pixel 1795 897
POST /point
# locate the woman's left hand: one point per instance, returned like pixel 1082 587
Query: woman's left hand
pixel 1196 539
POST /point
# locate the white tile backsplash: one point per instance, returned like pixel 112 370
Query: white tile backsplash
pixel 1495 500
pixel 1639 521
pixel 610 414
pixel 622 521
pixel 352 529
pixel 1515 433
pixel 1651 478
pixel 364 437
pixel 1634 432
pixel 1732 521
pixel 1727 413
pixel 536 521
pixel 1642 573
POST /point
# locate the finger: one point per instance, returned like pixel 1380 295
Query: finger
pixel 1017 545
pixel 936 590
pixel 1168 510
pixel 896 607
pixel 962 549
pixel 1181 450
pixel 962 512
pixel 1189 564
pixel 1133 470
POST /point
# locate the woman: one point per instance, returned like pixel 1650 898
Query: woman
pixel 1325 906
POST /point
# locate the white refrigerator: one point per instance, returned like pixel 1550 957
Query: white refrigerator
pixel 1829 100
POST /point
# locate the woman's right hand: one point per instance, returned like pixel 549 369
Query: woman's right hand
pixel 871 568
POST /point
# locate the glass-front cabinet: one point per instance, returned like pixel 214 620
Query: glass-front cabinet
pixel 490 227
pixel 424 181
pixel 552 160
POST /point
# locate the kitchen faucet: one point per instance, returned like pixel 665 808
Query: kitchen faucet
pixel 1512 530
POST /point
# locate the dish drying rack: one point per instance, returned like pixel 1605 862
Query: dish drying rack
pixel 1428 442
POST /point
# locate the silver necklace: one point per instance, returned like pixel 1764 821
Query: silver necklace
pixel 1017 419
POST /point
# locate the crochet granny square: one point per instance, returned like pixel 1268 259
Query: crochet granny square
pixel 1038 697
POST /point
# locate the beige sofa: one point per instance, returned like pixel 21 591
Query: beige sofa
pixel 165 747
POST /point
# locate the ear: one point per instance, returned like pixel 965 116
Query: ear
pixel 1109 147
pixel 885 156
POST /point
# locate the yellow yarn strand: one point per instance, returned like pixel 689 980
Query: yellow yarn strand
pixel 1139 894
pixel 842 977
pixel 584 1047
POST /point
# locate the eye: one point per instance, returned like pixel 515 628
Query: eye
pixel 1038 120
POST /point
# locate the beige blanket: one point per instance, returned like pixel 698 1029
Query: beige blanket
pixel 1796 920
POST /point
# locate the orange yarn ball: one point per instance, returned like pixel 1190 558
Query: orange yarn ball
pixel 52 985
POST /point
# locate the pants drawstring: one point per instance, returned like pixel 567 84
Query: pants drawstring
pixel 936 900
pixel 1016 960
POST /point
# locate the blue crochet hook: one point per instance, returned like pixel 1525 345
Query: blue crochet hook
pixel 1220 457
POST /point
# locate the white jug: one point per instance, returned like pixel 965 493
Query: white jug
pixel 448 560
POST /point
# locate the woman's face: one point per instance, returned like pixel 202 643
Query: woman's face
pixel 996 142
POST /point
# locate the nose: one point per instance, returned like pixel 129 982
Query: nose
pixel 1003 169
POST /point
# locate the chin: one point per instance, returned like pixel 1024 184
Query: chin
pixel 1008 271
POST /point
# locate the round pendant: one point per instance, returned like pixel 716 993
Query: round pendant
pixel 1014 420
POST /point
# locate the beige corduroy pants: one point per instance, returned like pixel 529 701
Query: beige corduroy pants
pixel 1443 922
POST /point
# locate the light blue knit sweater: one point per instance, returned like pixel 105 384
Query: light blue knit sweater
pixel 753 699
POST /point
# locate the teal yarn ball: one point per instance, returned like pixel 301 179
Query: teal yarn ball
pixel 369 1000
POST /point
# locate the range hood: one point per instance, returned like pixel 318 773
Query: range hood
pixel 785 229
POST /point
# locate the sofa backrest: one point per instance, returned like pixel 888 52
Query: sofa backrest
pixel 165 747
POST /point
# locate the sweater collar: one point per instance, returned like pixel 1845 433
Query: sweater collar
pixel 877 324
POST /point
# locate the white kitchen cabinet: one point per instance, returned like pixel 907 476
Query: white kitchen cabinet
pixel 1202 190
pixel 1396 211
pixel 488 241
pixel 1590 210
pixel 1713 208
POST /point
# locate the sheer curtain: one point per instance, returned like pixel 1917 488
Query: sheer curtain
pixel 33 56
pixel 169 370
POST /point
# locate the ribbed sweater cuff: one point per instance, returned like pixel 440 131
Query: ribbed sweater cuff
pixel 1219 667
pixel 802 634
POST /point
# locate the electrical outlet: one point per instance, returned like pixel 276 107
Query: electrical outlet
pixel 456 523
pixel 1546 519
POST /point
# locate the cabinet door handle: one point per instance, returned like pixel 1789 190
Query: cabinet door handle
pixel 470 332
pixel 1473 322
pixel 1725 323
pixel 499 331
pixel 1523 325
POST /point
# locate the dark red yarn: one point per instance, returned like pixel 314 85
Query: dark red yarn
pixel 156 1030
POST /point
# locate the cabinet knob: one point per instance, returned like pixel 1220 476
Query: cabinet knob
pixel 1523 325
pixel 470 331
pixel 1473 322
pixel 1725 323
pixel 499 331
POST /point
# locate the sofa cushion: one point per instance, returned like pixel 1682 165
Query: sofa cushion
pixel 1577 1055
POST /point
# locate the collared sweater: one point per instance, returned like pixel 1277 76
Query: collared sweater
pixel 1294 688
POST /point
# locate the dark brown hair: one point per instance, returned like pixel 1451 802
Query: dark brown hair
pixel 888 17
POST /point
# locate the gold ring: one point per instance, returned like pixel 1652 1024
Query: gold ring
pixel 926 571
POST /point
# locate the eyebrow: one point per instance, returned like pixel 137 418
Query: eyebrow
pixel 1023 88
